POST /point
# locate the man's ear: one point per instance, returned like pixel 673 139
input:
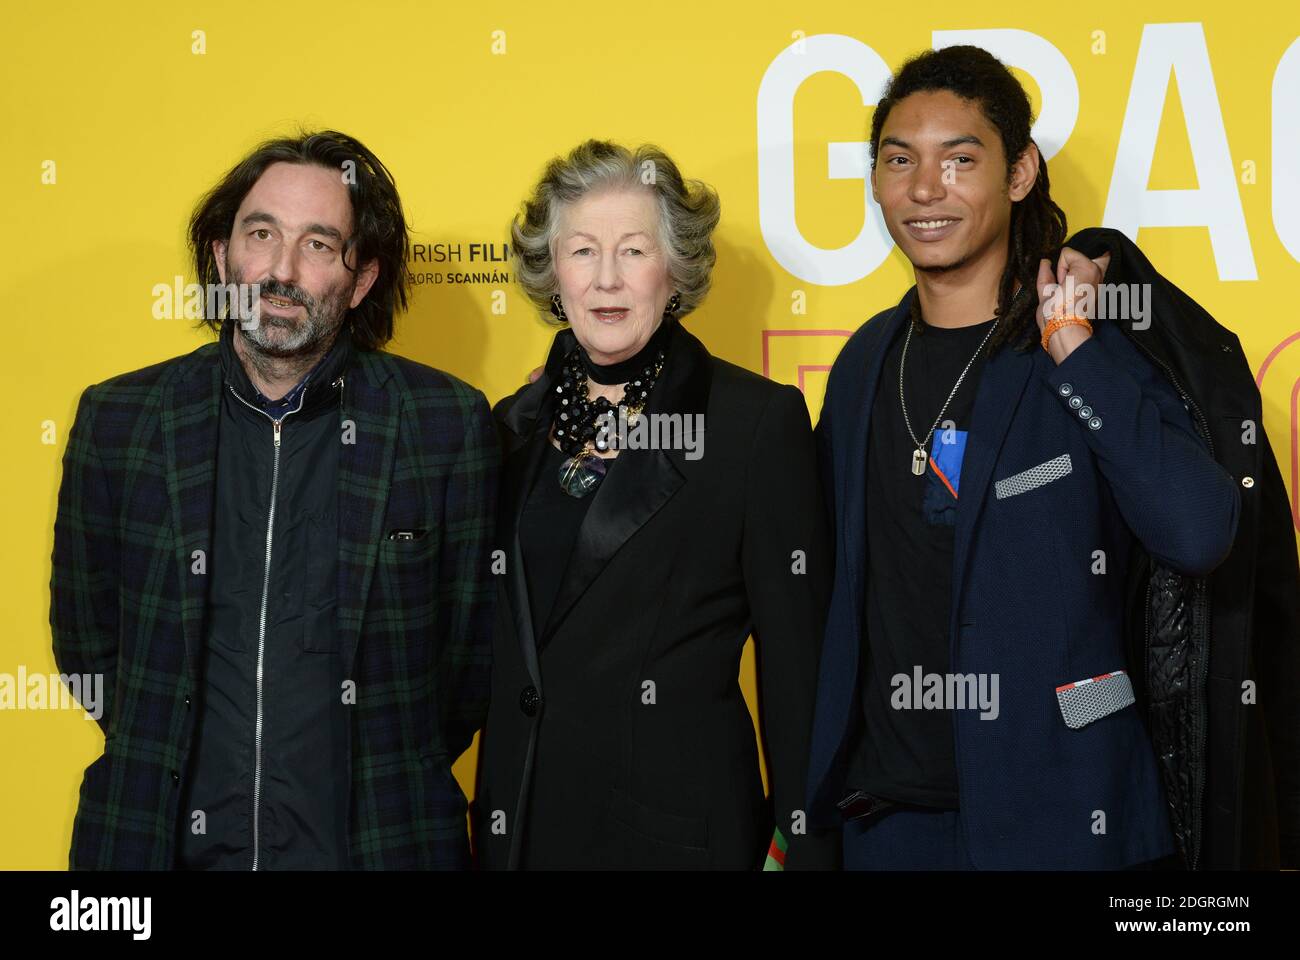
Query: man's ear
pixel 875 191
pixel 219 254
pixel 1024 173
pixel 366 277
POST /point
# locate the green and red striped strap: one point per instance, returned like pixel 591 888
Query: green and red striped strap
pixel 776 852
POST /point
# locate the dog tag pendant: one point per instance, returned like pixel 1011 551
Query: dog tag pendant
pixel 918 462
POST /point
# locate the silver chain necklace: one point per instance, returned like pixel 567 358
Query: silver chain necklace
pixel 919 454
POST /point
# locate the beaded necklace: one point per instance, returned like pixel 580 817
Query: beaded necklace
pixel 584 426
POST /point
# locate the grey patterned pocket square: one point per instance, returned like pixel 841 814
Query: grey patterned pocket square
pixel 1084 701
pixel 1026 480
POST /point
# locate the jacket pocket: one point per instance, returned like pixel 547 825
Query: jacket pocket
pixel 406 565
pixel 1034 477
pixel 670 828
pixel 1084 701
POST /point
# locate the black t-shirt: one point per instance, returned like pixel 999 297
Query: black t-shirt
pixel 905 752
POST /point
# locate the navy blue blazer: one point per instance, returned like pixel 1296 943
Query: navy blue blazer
pixel 1096 454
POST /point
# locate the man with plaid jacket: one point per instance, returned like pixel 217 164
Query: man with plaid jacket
pixel 275 551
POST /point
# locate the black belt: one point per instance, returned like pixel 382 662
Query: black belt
pixel 859 805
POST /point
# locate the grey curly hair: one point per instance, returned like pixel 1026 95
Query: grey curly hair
pixel 688 213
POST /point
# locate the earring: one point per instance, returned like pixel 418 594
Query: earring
pixel 674 304
pixel 557 308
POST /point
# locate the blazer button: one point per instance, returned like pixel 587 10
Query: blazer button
pixel 176 777
pixel 187 701
pixel 529 701
pixel 1095 423
pixel 1085 412
pixel 1076 402
pixel 1065 389
pixel 1247 482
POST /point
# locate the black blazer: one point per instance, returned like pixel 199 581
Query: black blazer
pixel 676 562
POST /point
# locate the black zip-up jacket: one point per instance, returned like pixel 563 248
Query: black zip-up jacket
pixel 1218 658
pixel 269 775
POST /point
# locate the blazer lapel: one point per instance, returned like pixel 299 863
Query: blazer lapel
pixel 190 417
pixel 626 499
pixel 526 422
pixel 996 398
pixel 520 470
pixel 636 488
pixel 855 424
pixel 364 480
pixel 633 491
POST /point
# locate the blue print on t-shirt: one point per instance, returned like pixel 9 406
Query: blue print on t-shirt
pixel 947 451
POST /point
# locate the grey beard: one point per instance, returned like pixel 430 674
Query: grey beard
pixel 298 354
pixel 306 339
pixel 305 343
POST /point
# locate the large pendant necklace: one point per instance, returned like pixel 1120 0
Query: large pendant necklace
pixel 584 426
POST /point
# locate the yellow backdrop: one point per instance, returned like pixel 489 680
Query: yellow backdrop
pixel 1177 118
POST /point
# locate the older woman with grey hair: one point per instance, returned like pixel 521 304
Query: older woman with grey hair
pixel 638 559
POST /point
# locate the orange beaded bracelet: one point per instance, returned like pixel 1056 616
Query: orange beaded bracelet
pixel 1056 323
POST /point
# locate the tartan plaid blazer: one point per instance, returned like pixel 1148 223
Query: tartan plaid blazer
pixel 128 598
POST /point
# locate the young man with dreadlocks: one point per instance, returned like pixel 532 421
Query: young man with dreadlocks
pixel 991 469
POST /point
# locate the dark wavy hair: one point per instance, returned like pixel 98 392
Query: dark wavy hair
pixel 379 226
pixel 1038 227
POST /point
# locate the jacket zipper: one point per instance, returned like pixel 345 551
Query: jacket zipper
pixel 347 806
pixel 1202 424
pixel 1200 615
pixel 261 625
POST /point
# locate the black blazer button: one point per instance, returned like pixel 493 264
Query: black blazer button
pixel 176 777
pixel 529 701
